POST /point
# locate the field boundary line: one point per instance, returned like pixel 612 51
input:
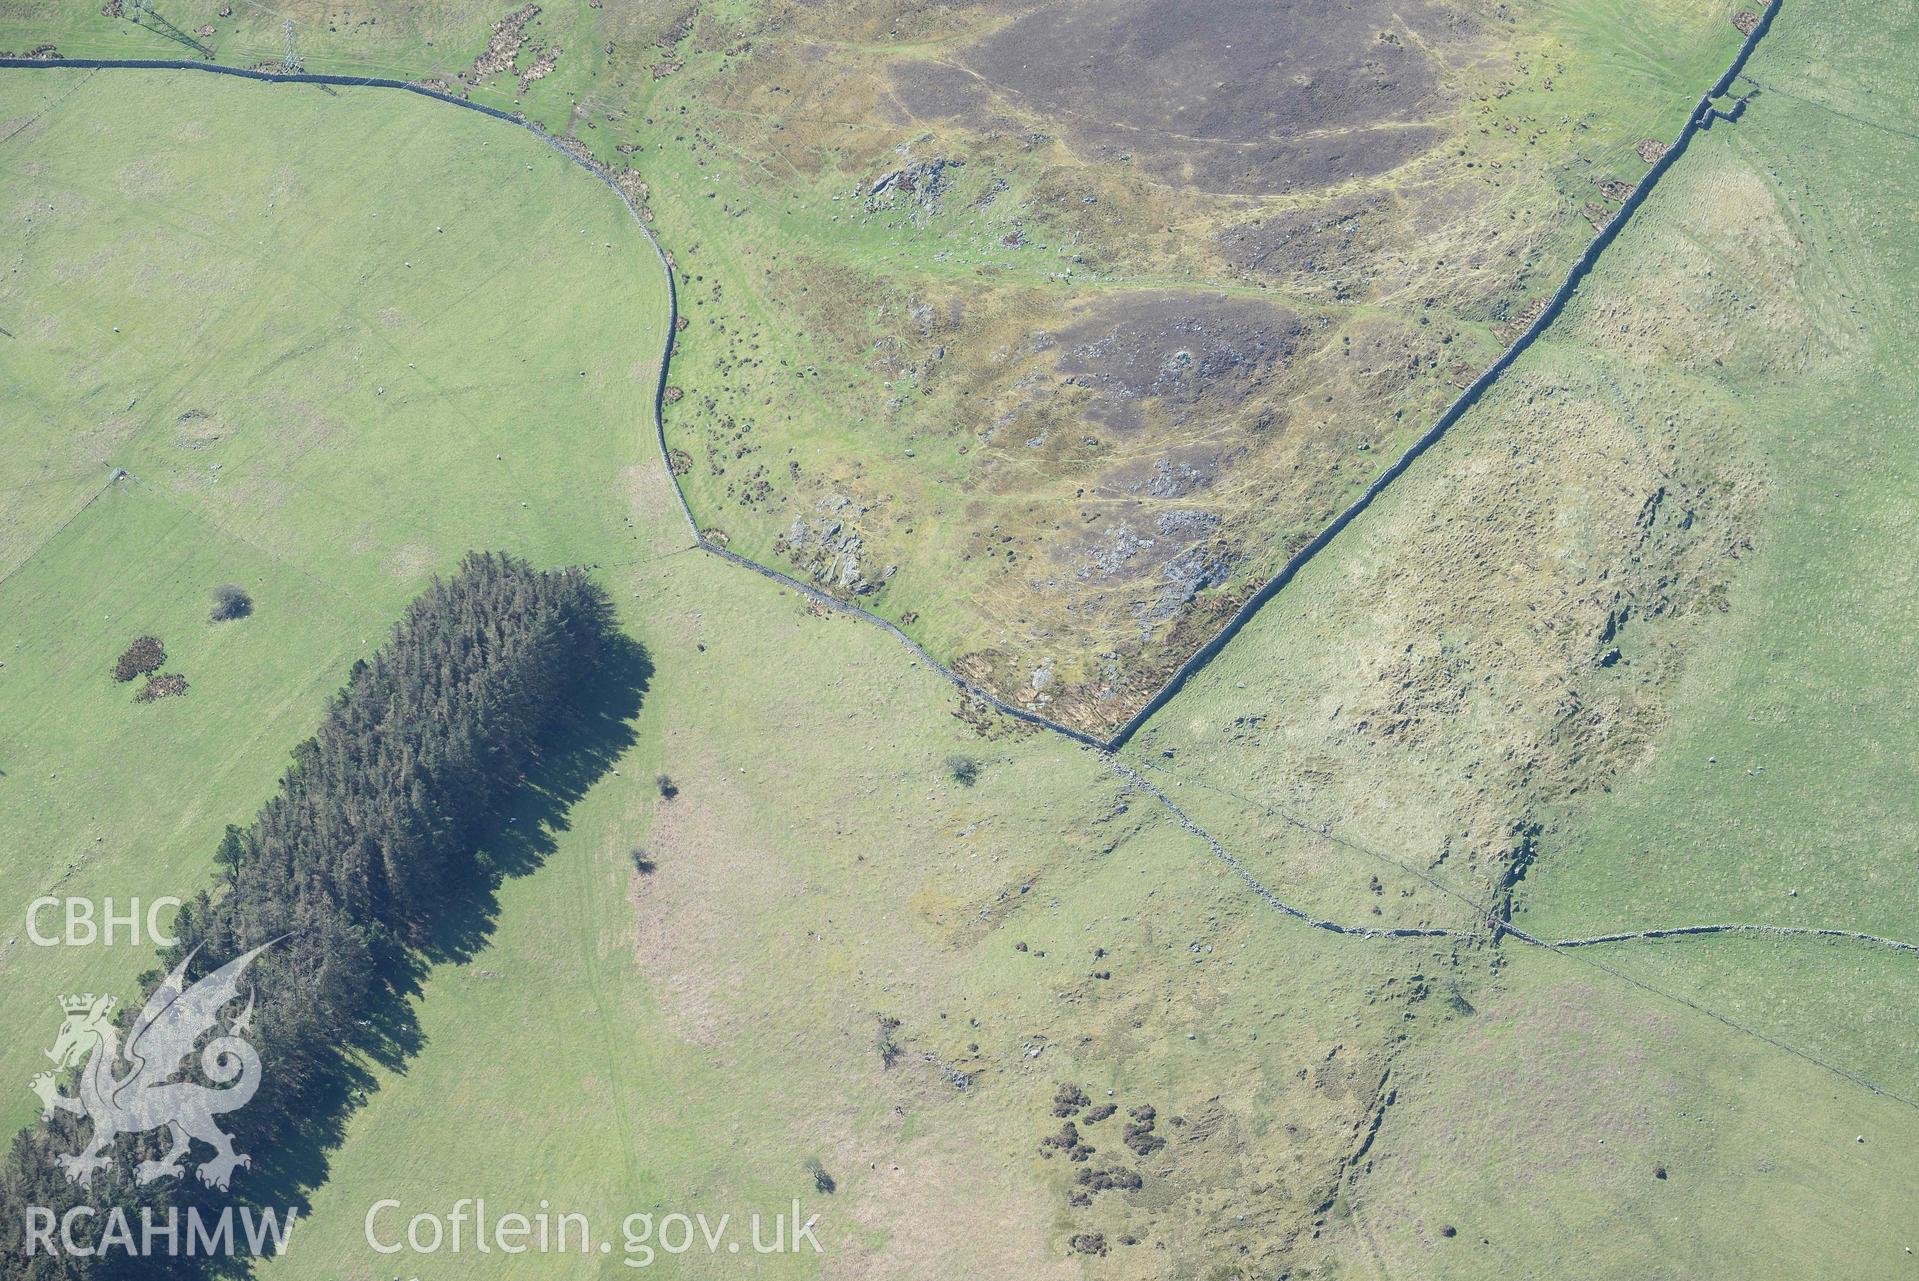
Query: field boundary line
pixel 1693 931
pixel 1486 911
pixel 64 525
pixel 1702 117
pixel 1139 781
pixel 1498 927
pixel 45 107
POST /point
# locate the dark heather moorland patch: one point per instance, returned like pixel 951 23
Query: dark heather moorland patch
pixel 1257 98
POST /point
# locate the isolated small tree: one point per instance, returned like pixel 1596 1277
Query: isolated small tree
pixel 668 788
pixel 230 601
pixel 964 769
pixel 821 1179
pixel 232 853
pixel 642 861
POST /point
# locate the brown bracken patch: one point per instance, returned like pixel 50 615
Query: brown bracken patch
pixel 166 685
pixel 1260 97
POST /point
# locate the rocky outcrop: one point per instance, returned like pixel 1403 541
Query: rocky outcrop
pixel 924 182
pixel 831 550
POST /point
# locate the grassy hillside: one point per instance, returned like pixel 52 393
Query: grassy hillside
pixel 1057 415
pixel 874 928
pixel 684 1038
pixel 1777 788
pixel 1629 638
pixel 1624 651
pixel 1777 791
pixel 1577 1127
pixel 1052 369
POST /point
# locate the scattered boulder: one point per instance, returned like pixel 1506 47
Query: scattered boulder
pixel 830 548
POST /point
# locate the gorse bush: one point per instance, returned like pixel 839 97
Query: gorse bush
pixel 146 654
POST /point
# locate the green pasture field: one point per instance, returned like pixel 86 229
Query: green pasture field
pixel 321 366
pixel 1781 791
pixel 1577 1126
pixel 838 952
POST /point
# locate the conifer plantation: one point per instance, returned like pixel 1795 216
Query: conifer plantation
pixel 367 846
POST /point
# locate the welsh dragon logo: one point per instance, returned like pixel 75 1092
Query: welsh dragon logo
pixel 143 1097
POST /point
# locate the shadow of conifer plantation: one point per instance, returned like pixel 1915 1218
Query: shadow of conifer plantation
pixel 596 730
